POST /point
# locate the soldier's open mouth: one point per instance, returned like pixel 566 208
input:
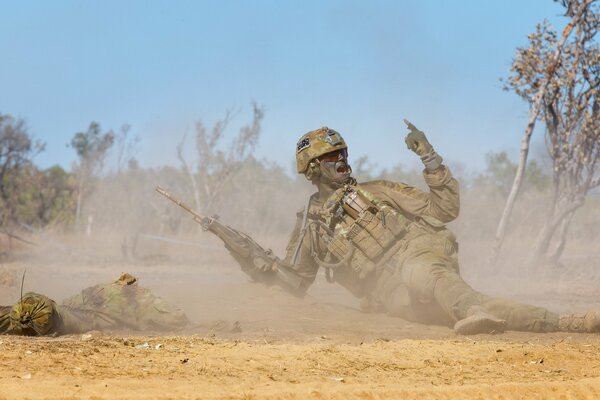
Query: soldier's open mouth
pixel 342 169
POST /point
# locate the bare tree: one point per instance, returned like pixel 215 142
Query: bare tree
pixel 570 108
pixel 545 64
pixel 126 147
pixel 92 147
pixel 215 166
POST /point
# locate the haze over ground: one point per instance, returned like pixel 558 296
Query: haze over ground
pixel 359 67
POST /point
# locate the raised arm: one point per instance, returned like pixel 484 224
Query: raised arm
pixel 442 202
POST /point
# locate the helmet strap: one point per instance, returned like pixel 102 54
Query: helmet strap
pixel 313 172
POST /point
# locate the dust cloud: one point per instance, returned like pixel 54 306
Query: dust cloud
pixel 250 341
pixel 128 227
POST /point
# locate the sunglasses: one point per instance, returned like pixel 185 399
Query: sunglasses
pixel 334 155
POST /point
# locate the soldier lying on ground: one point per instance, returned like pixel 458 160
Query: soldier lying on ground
pixel 114 306
pixel 388 244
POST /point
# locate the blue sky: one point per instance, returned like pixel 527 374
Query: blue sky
pixel 359 67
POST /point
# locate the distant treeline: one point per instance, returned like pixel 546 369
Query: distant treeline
pixel 256 196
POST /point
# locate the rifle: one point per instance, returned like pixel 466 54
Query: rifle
pixel 260 264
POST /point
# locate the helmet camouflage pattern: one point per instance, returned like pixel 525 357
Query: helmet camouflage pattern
pixel 316 143
pixel 34 315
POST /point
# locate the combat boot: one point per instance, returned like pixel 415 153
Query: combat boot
pixel 588 322
pixel 479 321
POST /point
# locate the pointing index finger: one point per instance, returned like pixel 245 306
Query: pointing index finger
pixel 409 125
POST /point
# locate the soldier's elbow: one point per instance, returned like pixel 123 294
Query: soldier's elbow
pixel 453 214
pixel 448 215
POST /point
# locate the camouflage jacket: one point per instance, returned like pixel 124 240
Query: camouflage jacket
pixel 122 304
pixel 426 213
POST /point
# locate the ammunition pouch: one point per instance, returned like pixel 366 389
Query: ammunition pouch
pixel 367 231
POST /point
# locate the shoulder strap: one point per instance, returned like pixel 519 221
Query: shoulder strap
pixel 302 228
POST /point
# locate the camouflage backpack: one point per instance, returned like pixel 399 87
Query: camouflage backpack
pixel 34 315
pixel 4 319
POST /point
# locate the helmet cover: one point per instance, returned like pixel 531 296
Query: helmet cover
pixel 316 143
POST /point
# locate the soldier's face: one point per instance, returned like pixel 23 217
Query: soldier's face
pixel 334 167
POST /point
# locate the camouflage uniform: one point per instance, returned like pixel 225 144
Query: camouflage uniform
pixel 4 319
pixel 117 305
pixel 415 275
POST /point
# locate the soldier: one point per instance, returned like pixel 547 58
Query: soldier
pixel 117 305
pixel 387 243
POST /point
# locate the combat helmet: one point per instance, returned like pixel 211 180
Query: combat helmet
pixel 316 143
pixel 34 315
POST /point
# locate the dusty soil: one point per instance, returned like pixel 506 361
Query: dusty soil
pixel 190 367
pixel 254 342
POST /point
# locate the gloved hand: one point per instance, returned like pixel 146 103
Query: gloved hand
pixel 265 264
pixel 417 142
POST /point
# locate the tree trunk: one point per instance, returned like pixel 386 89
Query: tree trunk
pixel 562 240
pixel 190 173
pixel 535 109
pixel 79 199
pixel 542 242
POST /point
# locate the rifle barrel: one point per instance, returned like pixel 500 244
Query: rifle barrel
pixel 179 203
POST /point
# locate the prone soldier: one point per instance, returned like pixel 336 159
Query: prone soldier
pixel 122 304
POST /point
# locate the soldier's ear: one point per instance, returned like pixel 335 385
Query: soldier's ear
pixel 313 171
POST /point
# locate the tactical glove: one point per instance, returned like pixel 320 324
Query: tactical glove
pixel 417 142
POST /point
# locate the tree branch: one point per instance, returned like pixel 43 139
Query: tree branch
pixel 189 171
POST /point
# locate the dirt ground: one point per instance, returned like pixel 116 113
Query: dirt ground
pixel 255 342
pixel 200 367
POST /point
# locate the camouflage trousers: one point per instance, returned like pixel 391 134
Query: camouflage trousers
pixel 427 288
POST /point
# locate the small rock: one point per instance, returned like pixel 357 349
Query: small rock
pixel 237 328
pixel 158 346
pixel 86 336
pixel 142 346
pixel 26 376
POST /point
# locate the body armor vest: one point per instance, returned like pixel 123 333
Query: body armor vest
pixel 362 232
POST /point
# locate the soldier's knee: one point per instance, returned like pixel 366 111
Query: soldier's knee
pixel 421 279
